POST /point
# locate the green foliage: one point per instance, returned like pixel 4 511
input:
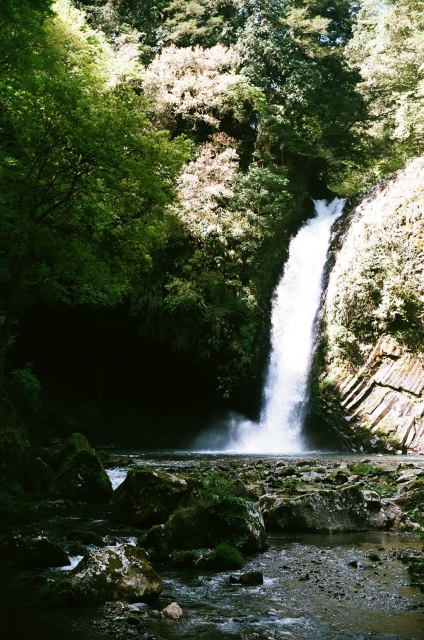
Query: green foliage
pixel 362 469
pixel 215 486
pixel 416 515
pixel 28 385
pixel 84 178
pixel 387 49
pixel 289 485
pixel 7 503
pixel 210 522
pixel 257 86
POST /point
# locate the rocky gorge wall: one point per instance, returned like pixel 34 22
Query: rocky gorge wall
pixel 368 372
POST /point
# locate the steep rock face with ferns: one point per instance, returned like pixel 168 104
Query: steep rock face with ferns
pixel 369 366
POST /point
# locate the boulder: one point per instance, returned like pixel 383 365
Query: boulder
pixel 343 509
pixel 248 579
pixel 231 520
pixel 411 494
pixel 148 496
pixel 222 558
pixel 86 537
pixel 29 553
pixel 81 475
pixel 109 575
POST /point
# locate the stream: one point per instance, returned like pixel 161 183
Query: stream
pixel 309 589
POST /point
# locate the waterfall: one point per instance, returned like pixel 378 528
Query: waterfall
pixel 294 309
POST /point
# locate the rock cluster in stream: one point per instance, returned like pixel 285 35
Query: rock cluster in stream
pixel 224 510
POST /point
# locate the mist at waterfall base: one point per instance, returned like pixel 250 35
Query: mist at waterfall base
pixel 293 334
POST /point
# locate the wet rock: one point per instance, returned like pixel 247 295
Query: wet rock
pixel 372 500
pixel 343 509
pixel 223 558
pixel 408 474
pixel 86 537
pixel 148 496
pixel 33 552
pixel 76 549
pixel 287 471
pixel 173 611
pixel 243 488
pixel 248 579
pixel 359 564
pixel 155 614
pixel 231 520
pixel 81 475
pixel 411 494
pixel 111 574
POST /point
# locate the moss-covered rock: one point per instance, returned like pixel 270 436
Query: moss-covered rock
pixel 81 475
pixel 411 494
pixel 123 573
pixel 231 520
pixel 86 537
pixel 29 553
pixel 148 496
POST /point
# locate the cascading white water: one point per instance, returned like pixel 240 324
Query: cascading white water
pixel 295 305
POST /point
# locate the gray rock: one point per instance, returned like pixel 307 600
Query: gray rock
pixel 342 509
pixel 248 579
pixel 172 611
pixel 112 574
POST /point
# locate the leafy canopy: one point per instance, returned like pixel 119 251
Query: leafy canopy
pixel 84 178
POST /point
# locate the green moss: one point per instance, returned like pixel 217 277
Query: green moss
pixel 362 469
pixel 227 557
pixel 7 503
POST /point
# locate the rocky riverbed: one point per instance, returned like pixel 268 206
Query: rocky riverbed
pixel 343 558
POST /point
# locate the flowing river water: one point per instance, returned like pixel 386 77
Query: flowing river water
pixel 309 589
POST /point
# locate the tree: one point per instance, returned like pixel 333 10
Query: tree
pixel 388 50
pixel 84 178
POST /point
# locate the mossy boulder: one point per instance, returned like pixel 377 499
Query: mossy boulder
pixel 148 496
pixel 123 573
pixel 81 475
pixel 86 537
pixel 411 494
pixel 29 553
pixel 222 558
pixel 230 520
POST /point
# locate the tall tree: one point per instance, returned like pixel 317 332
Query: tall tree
pixel 84 178
pixel 388 50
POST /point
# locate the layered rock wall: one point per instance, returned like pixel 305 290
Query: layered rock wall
pixel 369 369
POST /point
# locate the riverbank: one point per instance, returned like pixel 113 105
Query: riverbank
pixel 330 585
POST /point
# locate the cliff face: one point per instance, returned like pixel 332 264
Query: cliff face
pixel 369 366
